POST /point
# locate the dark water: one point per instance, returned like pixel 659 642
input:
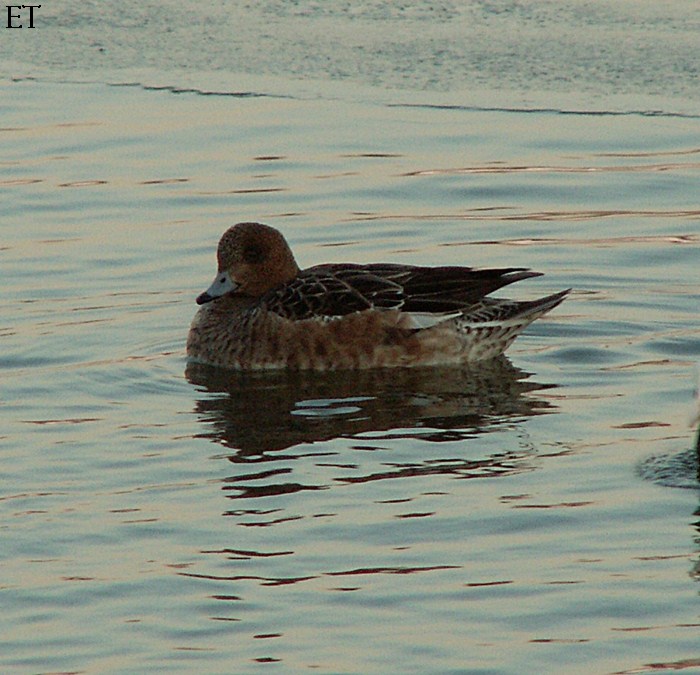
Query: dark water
pixel 163 517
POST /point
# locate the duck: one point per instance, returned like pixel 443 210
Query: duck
pixel 263 312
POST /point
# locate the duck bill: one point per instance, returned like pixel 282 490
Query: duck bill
pixel 221 285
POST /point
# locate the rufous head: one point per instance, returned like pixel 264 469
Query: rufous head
pixel 252 259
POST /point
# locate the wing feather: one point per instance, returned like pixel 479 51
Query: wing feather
pixel 340 289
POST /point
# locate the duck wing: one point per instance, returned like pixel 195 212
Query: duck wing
pixel 339 289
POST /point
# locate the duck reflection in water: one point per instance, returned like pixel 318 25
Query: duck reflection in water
pixel 256 416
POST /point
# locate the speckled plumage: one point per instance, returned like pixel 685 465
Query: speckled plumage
pixel 262 311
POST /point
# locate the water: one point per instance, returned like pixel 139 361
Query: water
pixel 164 517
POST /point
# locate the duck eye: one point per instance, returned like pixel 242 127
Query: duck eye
pixel 253 254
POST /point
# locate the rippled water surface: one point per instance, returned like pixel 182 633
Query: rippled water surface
pixel 508 518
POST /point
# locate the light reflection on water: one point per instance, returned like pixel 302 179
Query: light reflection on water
pixel 160 515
